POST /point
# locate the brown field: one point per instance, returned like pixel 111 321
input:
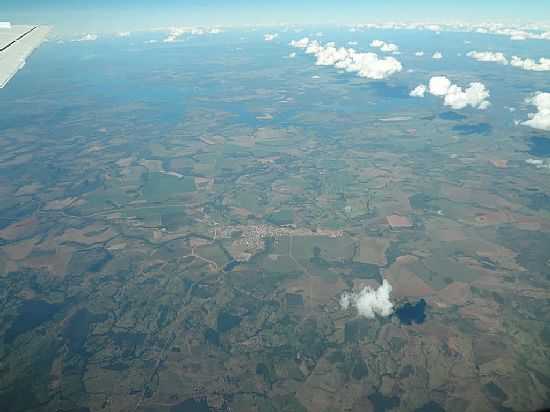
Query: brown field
pixel 60 203
pixel 444 230
pixel 499 163
pixel 404 281
pixel 493 218
pixel 19 229
pixel 457 293
pixel 20 250
pixel 372 250
pixel 396 221
pixel 89 235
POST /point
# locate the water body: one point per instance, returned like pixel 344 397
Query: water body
pixel 227 321
pixel 231 265
pixel 539 146
pixel 192 405
pixel 382 403
pixel 470 129
pixel 31 314
pixel 412 313
pixel 451 116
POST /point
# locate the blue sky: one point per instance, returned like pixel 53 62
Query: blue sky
pixel 118 15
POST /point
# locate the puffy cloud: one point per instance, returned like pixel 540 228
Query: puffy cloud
pixel 292 55
pixel 539 164
pixel 543 64
pixel 88 37
pixel 370 302
pixel 418 91
pixel 513 31
pixel 124 34
pixel 439 85
pixel 385 47
pixel 437 56
pixel 495 57
pixel 419 54
pixel 300 44
pixel 367 65
pixel 175 33
pixel 270 36
pixel 475 96
pixel 454 96
pixel 541 119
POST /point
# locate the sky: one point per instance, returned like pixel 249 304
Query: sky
pixel 120 15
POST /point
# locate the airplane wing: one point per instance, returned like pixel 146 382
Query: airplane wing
pixel 16 44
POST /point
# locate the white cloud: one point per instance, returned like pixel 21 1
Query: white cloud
pixel 88 37
pixel 439 85
pixel 488 56
pixel 377 43
pixel 300 44
pixel 385 47
pixel 175 33
pixel 536 31
pixel 437 56
pixel 475 96
pixel 419 54
pixel 418 91
pixel 292 55
pixel 454 96
pixel 543 64
pixel 541 119
pixel 539 164
pixel 270 36
pixel 124 34
pixel 370 302
pixel 367 65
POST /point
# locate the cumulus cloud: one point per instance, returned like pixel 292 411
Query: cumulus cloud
pixel 270 36
pixel 418 91
pixel 370 302
pixel 174 34
pixel 539 164
pixel 292 55
pixel 88 37
pixel 385 47
pixel 367 65
pixel 124 34
pixel 514 31
pixel 495 57
pixel 439 85
pixel 541 119
pixel 437 56
pixel 543 65
pixel 419 54
pixel 454 96
pixel 300 44
pixel 475 96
